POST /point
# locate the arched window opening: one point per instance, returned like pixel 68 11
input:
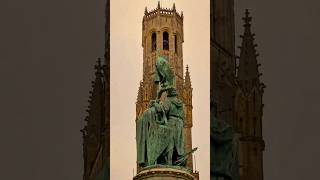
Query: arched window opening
pixel 154 42
pixel 165 41
pixel 175 44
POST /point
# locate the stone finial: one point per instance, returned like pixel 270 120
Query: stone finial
pixel 140 93
pixel 247 19
pixel 174 7
pixel 146 11
pixel 187 79
pixel 158 5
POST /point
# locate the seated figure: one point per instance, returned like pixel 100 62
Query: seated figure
pixel 160 138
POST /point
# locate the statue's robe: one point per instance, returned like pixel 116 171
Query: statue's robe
pixel 174 109
pixel 144 127
pixel 105 172
pixel 223 150
pixel 159 130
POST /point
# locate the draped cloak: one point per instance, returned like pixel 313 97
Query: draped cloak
pixel 224 147
pixel 158 129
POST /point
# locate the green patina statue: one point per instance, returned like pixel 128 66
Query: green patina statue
pixel 160 138
pixel 224 148
pixel 164 74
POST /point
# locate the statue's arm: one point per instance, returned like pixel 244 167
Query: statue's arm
pixel 166 105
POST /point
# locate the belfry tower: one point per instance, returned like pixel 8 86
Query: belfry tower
pixel 162 32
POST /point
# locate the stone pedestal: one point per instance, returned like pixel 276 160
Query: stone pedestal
pixel 164 173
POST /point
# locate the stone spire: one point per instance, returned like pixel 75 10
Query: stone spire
pixel 96 102
pixel 98 68
pixel 140 93
pixel 94 120
pixel 146 11
pixel 158 7
pixel 248 72
pixel 187 79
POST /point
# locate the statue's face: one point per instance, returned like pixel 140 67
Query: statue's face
pixel 160 62
pixel 163 96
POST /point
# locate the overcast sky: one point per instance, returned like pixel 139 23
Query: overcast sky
pixel 48 49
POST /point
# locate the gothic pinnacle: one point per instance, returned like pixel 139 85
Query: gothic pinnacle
pixel 98 64
pixel 140 92
pixel 248 65
pixel 146 11
pixel 247 19
pixel 98 68
pixel 187 77
pixel 174 7
pixel 158 7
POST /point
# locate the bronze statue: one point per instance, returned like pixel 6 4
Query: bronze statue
pixel 224 148
pixel 160 138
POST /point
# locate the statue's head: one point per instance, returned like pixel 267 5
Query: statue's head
pixel 160 60
pixel 161 63
pixel 172 92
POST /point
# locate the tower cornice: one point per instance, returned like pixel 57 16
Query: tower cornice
pixel 163 12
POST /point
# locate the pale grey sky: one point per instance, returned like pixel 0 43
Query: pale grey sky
pixel 126 73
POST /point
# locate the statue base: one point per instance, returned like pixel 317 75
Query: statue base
pixel 164 173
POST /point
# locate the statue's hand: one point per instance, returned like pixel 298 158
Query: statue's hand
pixel 158 107
pixel 152 103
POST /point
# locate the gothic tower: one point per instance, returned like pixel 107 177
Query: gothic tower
pixel 162 30
pixel 96 132
pixel 249 107
pixel 236 87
